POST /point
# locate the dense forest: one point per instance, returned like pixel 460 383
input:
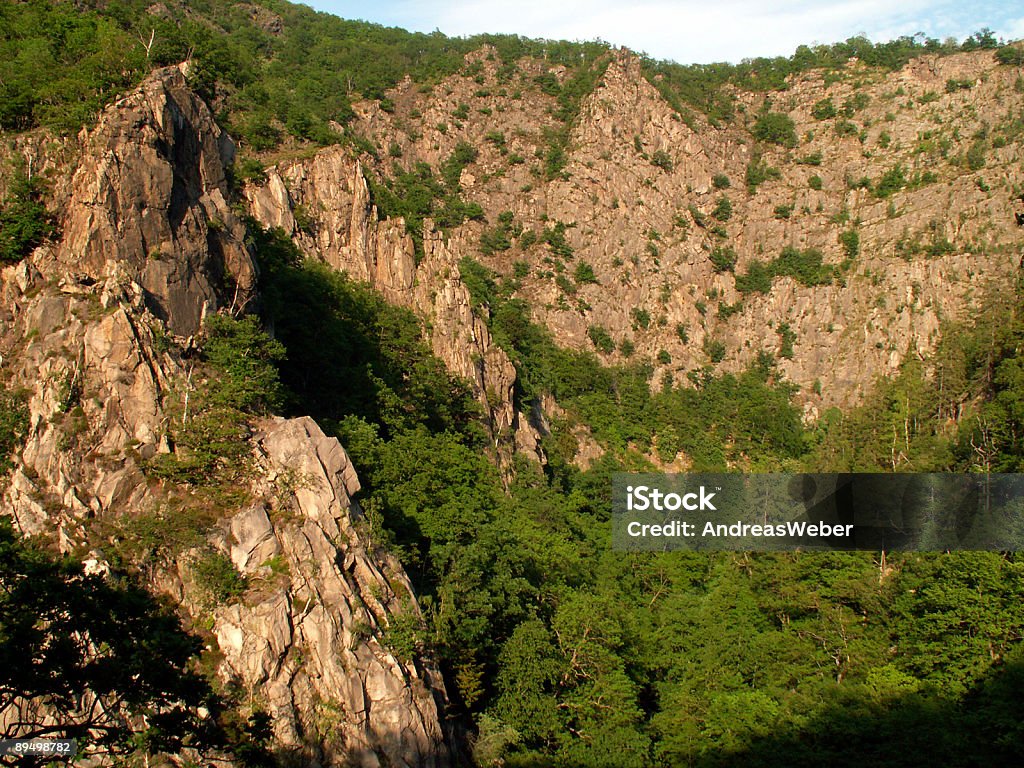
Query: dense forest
pixel 555 649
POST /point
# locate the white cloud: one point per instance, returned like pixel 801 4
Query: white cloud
pixel 1015 29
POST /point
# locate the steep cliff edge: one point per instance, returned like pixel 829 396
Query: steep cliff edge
pixel 341 226
pixel 323 635
pixel 904 182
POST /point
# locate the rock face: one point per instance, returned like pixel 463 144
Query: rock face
pixel 342 228
pixel 324 638
pixel 928 251
pixel 315 644
pixel 150 194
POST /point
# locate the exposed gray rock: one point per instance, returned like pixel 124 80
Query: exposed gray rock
pixel 150 193
pixel 318 643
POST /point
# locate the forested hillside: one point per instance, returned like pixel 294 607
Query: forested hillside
pixel 494 271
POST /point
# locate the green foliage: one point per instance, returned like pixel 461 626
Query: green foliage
pixel 584 274
pixel 775 128
pixel 662 159
pixel 209 430
pixel 714 349
pixel 891 181
pixel 601 339
pixel 975 363
pixel 720 181
pixel 369 357
pixel 495 240
pixel 823 110
pixel 24 220
pixel 723 209
pixel 758 172
pixel 815 182
pixel 701 86
pixel 65 633
pixel 13 425
pixel 245 359
pixel 462 155
pixel 558 650
pixel 975 156
pixel 1011 55
pixel 845 128
pixel 786 338
pixel 554 236
pixel 850 240
pixel 60 63
pixel 415 195
pixel 805 266
pixel 723 259
pixel 216 577
pixel 641 318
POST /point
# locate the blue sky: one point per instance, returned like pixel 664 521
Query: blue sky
pixel 690 31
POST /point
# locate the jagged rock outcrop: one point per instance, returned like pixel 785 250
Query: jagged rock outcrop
pixel 928 250
pixel 342 228
pixel 150 193
pixel 91 327
pixel 315 645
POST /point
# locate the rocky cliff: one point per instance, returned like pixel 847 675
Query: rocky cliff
pixel 341 226
pixel 647 229
pixel 640 197
pixel 94 330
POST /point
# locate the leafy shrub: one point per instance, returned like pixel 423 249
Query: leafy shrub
pixel 823 110
pixel 805 266
pixel 216 576
pixel 493 240
pixel 815 182
pixel 891 181
pixel 24 220
pixel 1011 55
pixel 245 359
pixel 714 349
pixel 775 128
pixel 850 240
pixel 13 425
pixel 855 103
pixel 975 156
pixel 723 259
pixel 757 279
pixel 759 172
pixel 601 339
pixel 641 318
pixel 555 238
pixel 786 339
pixel 720 181
pixel 584 273
pixel 723 209
pixel 845 128
pixel 661 159
pixel 462 155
